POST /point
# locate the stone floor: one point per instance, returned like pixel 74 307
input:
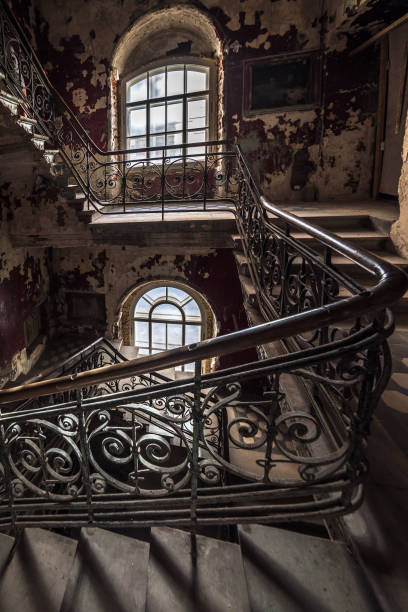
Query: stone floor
pixel 392 411
pixel 380 528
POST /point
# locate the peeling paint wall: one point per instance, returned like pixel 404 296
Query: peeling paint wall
pixel 114 271
pixel 399 231
pixel 77 41
pixel 24 284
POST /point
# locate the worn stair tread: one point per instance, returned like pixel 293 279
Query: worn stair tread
pixel 6 545
pixel 247 285
pixel 393 258
pixel 109 573
pixel 345 233
pixel 38 573
pixel 218 581
pixel 9 96
pixel 294 572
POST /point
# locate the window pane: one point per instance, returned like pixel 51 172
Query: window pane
pixel 136 143
pixel 192 310
pixel 197 113
pixel 196 136
pixel 142 307
pixel 189 367
pixel 175 81
pixel 142 333
pixel 159 336
pixel 177 293
pixel 197 79
pixel 167 311
pixel 175 116
pixel 173 139
pixel 193 333
pixel 138 89
pixel 155 294
pixel 157 141
pixel 174 335
pixel 157 84
pixel 157 118
pixel 137 121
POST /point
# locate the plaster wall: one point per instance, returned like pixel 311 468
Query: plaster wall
pixel 113 271
pixel 399 231
pixel 24 284
pixel 323 153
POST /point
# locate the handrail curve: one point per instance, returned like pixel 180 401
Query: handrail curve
pixel 106 444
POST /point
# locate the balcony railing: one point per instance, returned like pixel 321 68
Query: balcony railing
pixel 196 451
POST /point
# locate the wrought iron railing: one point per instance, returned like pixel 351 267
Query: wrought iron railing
pixel 178 177
pixel 151 454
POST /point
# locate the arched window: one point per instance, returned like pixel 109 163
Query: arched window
pixel 164 318
pixel 168 105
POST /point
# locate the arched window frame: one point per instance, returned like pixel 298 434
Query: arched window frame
pixel 149 317
pixel 128 78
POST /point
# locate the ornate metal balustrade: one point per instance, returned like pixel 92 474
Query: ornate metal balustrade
pixel 193 451
pixel 95 459
pixel 179 177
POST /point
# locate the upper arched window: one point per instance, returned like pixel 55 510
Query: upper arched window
pixel 164 318
pixel 168 105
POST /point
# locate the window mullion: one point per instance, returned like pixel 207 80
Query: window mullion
pixel 185 107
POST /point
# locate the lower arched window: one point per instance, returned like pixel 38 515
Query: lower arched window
pixel 164 318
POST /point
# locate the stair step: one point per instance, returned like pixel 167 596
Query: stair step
pixel 370 240
pixel 27 124
pixel 333 222
pixel 242 263
pixel 292 572
pixel 109 573
pixel 248 288
pixel 6 545
pixel 39 141
pixel 50 155
pixel 37 575
pixel 217 581
pixel 9 101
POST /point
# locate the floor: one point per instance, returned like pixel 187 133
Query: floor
pixel 380 527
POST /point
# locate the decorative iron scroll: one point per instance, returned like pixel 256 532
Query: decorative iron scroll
pixel 204 173
pixel 145 451
pixel 155 443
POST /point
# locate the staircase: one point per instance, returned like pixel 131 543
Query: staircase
pixel 366 225
pixel 165 569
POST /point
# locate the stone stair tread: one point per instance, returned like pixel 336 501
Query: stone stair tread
pixel 218 582
pixel 292 572
pixel 6 545
pixel 38 573
pixel 38 136
pixel 347 233
pixel 109 573
pixel 247 285
pixel 393 258
pixel 9 96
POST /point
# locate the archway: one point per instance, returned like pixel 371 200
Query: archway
pixel 174 33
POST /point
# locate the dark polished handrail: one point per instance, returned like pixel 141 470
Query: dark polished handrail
pixel 390 287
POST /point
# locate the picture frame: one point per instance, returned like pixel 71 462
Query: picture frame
pixel 283 82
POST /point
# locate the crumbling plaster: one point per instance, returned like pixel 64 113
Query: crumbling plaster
pixel 114 271
pixel 78 42
pixel 399 231
pixel 24 283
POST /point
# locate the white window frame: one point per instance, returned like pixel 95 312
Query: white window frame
pixel 128 79
pixel 149 317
